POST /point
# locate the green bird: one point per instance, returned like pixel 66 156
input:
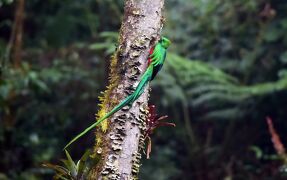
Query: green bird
pixel 156 59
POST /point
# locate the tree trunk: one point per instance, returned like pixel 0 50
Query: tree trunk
pixel 16 38
pixel 120 140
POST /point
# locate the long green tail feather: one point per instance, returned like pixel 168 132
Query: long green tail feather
pixel 157 57
pixel 127 101
pixel 115 109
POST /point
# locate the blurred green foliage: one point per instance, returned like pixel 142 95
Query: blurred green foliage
pixel 34 112
pixel 5 2
pixel 226 71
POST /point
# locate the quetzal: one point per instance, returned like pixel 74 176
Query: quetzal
pixel 156 59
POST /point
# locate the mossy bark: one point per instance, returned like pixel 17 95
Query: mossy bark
pixel 119 143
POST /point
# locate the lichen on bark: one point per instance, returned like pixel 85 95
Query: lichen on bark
pixel 120 141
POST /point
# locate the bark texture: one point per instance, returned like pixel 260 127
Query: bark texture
pixel 119 147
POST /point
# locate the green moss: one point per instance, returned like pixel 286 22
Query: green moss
pixel 105 103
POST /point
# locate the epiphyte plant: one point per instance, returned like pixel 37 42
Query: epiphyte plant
pixel 153 122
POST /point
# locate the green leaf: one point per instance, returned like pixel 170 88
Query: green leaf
pixel 57 168
pixel 258 152
pixel 282 73
pixel 109 34
pixel 70 164
pixel 5 90
pixel 82 162
pixel 61 177
pixel 273 34
pixel 99 46
pixel 283 57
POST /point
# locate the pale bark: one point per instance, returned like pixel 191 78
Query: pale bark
pixel 120 152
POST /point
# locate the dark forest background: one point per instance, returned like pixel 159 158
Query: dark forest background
pixel 226 71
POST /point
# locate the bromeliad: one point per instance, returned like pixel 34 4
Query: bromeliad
pixel 155 62
pixel 154 121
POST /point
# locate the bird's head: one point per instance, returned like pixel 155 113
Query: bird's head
pixel 165 42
